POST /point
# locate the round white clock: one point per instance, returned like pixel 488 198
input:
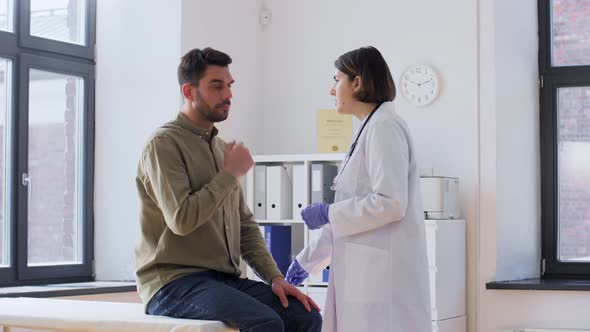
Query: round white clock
pixel 419 84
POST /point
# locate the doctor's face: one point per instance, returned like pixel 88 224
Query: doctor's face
pixel 343 90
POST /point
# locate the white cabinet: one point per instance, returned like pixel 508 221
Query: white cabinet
pixel 318 295
pixel 446 259
pixel 445 240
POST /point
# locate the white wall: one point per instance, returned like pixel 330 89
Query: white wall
pixel 509 240
pixel 136 91
pixel 517 137
pixel 304 39
pixel 509 311
pixel 238 33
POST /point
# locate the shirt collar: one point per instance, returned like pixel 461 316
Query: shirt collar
pixel 189 125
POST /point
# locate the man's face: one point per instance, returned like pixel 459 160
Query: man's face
pixel 213 94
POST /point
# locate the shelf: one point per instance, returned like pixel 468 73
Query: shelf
pixel 316 284
pixel 299 233
pixel 294 158
pixel 279 222
pixel 540 284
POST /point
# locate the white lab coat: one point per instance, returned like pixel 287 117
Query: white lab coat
pixel 375 243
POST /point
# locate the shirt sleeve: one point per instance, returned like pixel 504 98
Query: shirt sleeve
pixel 318 253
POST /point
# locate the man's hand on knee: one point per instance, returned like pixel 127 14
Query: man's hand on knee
pixel 282 289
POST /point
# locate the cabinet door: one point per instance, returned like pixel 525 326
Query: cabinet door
pixel 318 294
pixel 446 259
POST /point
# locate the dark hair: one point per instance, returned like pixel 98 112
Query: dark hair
pixel 376 81
pixel 194 63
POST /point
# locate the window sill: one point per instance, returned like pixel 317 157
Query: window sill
pixel 73 289
pixel 542 284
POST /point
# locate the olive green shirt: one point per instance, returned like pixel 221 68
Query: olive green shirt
pixel 193 214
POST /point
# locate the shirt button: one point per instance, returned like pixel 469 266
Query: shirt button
pixel 206 133
pixel 227 228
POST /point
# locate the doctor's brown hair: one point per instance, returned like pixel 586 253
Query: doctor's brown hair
pixel 376 82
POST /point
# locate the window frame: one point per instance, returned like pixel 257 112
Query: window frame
pixel 8 273
pixel 552 78
pixel 56 56
pixel 82 51
pixel 28 62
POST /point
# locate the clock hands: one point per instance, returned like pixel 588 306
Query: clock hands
pixel 418 84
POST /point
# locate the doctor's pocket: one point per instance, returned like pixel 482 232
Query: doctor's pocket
pixel 368 272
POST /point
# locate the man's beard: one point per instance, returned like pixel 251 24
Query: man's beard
pixel 209 113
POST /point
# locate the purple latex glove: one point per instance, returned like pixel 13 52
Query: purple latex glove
pixel 296 274
pixel 316 215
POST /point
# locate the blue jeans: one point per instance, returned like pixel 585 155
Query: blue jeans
pixel 240 303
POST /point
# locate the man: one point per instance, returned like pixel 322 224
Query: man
pixel 195 224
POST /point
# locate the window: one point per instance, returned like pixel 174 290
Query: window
pixel 46 140
pixel 62 20
pixel 6 15
pixel 564 65
pixel 5 106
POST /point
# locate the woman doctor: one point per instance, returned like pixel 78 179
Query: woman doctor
pixel 373 236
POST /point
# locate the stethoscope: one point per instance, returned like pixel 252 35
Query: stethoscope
pixel 351 150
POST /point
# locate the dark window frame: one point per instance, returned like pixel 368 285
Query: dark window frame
pixel 54 46
pixel 34 52
pixel 553 78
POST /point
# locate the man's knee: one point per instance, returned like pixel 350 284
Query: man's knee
pixel 312 321
pixel 268 321
pixel 274 323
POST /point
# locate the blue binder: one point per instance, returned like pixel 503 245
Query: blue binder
pixel 325 275
pixel 278 241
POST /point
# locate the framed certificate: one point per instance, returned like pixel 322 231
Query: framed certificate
pixel 334 131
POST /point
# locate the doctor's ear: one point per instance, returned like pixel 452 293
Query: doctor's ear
pixel 356 83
